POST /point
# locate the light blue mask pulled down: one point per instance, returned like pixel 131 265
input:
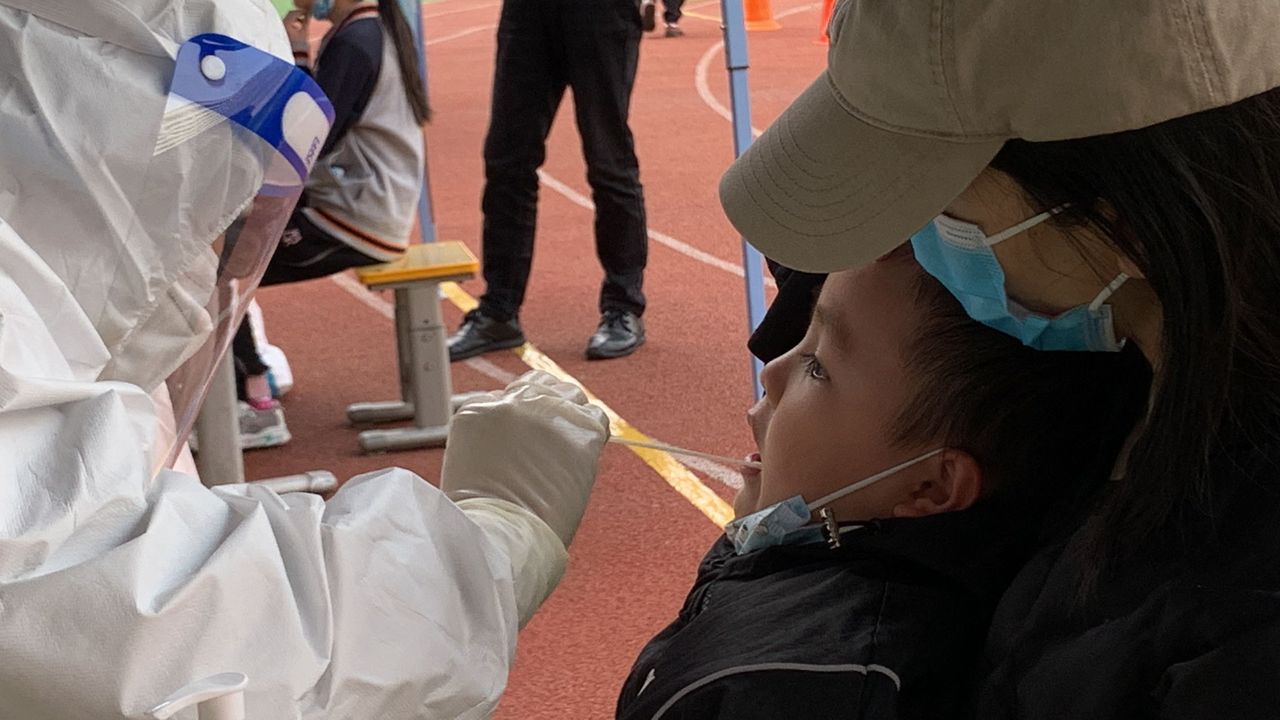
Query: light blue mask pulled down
pixel 959 255
pixel 320 9
pixel 779 523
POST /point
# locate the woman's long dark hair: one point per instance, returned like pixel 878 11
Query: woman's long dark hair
pixel 406 57
pixel 1195 203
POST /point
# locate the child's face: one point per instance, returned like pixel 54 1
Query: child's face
pixel 830 404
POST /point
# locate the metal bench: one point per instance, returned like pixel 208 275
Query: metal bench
pixel 426 391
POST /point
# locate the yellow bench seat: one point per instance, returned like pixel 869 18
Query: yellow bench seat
pixel 439 261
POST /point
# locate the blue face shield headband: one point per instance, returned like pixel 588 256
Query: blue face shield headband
pixel 959 255
pixel 236 119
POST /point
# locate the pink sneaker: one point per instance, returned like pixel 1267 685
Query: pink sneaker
pixel 266 403
pixel 257 390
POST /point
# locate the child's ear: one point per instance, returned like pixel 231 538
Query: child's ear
pixel 952 483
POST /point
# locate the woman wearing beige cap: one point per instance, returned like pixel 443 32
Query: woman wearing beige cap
pixel 1082 175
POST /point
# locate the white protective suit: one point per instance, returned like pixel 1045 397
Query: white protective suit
pixel 117 585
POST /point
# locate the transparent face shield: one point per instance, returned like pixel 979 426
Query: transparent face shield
pixel 241 130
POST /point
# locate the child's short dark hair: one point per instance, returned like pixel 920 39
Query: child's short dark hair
pixel 1046 427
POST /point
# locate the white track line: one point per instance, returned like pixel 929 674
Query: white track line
pixel 460 34
pixel 484 367
pixel 704 90
pixel 683 248
pixel 458 11
pixel 388 310
pixel 359 292
pixel 704 64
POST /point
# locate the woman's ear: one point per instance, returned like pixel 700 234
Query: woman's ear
pixel 952 483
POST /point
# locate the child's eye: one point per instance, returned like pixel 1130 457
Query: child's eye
pixel 813 368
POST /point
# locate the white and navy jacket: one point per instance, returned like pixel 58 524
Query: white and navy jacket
pixel 364 188
pixel 889 625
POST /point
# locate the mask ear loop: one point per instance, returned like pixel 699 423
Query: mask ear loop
pixel 828 499
pixel 1106 292
pixel 1023 226
pixel 830 528
pixel 1103 295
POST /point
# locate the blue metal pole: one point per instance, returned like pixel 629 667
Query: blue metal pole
pixel 735 59
pixel 426 213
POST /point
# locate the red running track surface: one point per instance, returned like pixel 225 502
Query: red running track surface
pixel 640 541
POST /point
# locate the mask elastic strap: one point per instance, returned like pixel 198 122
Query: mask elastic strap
pixel 1106 292
pixel 815 506
pixel 1023 226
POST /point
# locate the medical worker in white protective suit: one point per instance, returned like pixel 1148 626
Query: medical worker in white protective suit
pixel 150 151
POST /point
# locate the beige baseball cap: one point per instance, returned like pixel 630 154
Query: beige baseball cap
pixel 919 96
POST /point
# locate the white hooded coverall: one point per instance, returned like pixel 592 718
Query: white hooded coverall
pixel 118 586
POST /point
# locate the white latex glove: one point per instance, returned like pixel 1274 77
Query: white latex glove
pixel 537 445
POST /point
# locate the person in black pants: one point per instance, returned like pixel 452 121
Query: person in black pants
pixel 545 46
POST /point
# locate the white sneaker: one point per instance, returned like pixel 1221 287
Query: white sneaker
pixel 281 374
pixel 262 428
pixel 258 428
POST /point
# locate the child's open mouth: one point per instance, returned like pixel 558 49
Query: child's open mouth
pixel 752 473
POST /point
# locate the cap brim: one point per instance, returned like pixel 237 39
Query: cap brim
pixel 823 190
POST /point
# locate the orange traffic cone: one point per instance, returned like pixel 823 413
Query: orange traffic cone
pixel 828 6
pixel 759 16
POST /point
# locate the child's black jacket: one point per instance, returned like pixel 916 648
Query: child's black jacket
pixel 889 625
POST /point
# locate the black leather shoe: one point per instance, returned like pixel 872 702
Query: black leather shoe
pixel 648 15
pixel 620 334
pixel 481 334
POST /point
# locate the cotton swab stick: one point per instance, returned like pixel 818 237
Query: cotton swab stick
pixel 738 462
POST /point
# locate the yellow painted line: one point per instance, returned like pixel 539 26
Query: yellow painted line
pixel 712 18
pixel 672 471
pixel 460 298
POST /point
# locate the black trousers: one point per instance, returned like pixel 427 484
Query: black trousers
pixel 671 12
pixel 305 252
pixel 544 47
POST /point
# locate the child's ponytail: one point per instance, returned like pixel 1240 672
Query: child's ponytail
pixel 407 57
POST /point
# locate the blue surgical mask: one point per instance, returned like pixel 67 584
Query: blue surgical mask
pixel 320 9
pixel 959 255
pixel 778 524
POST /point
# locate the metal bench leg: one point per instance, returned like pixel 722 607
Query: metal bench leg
pixel 392 410
pixel 313 481
pixel 404 349
pixel 457 400
pixel 430 382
